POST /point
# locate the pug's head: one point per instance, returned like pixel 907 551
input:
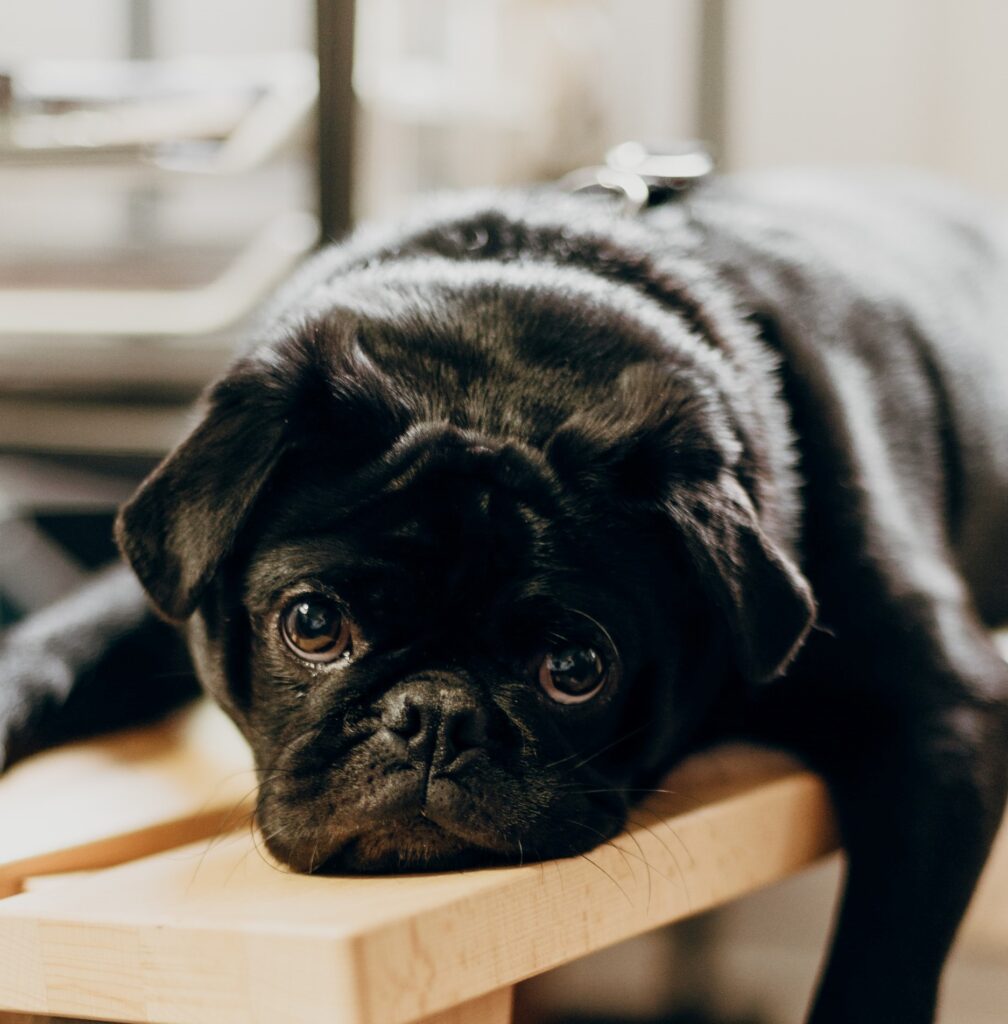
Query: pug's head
pixel 469 555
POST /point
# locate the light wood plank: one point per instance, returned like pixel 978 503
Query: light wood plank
pixel 220 935
pixel 109 800
pixel 494 1008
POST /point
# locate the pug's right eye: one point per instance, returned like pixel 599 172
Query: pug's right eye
pixel 572 674
pixel 315 628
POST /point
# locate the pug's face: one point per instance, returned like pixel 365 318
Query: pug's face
pixel 442 662
pixel 467 566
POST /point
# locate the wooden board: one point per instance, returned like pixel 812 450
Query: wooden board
pixel 109 800
pixel 219 934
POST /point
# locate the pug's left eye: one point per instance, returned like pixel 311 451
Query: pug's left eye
pixel 315 629
pixel 572 675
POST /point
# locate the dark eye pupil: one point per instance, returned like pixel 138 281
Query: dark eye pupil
pixel 314 620
pixel 314 626
pixel 575 670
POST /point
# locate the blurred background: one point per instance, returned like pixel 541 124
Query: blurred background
pixel 165 163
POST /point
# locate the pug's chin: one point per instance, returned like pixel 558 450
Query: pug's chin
pixel 414 821
pixel 411 826
pixel 418 845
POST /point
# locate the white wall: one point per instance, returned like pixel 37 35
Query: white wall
pixel 921 82
pixel 233 26
pixel 58 29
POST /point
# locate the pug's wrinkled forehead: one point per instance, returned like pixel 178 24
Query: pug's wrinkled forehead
pixel 588 391
pixel 437 534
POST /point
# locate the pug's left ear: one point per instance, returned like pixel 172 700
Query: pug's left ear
pixel 765 599
pixel 315 388
pixel 182 522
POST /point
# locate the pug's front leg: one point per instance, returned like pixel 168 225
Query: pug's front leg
pixel 99 659
pixel 918 771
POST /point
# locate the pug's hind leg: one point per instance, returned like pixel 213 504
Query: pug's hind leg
pixel 97 660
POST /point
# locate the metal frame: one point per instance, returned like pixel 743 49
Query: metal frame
pixel 336 109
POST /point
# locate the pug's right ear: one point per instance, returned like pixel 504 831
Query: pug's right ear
pixel 183 521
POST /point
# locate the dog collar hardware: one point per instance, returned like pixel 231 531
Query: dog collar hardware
pixel 644 175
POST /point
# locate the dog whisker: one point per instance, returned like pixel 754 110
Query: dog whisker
pixel 675 860
pixel 598 753
pixel 675 835
pixel 611 877
pixel 614 789
pixel 606 840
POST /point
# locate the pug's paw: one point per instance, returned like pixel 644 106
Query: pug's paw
pixel 31 682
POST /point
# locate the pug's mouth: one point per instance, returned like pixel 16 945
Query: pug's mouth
pixel 419 822
pixel 410 845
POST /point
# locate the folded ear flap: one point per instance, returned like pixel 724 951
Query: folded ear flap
pixel 182 522
pixel 664 441
pixel 765 599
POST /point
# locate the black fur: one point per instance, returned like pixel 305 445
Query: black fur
pixel 753 446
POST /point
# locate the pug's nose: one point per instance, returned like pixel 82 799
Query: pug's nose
pixel 433 723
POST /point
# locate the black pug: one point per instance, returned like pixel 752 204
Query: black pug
pixel 505 509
